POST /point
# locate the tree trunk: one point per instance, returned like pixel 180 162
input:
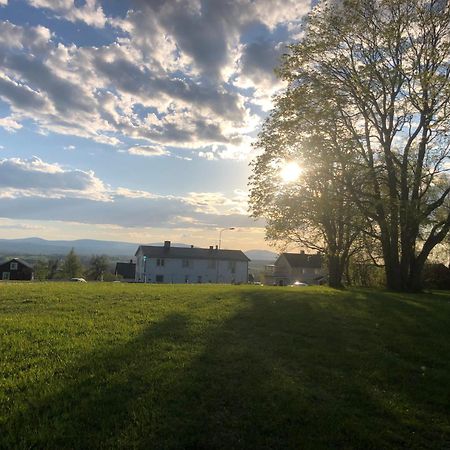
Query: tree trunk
pixel 335 271
pixel 415 279
pixel 393 273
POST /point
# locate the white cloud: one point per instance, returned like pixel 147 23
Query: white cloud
pixel 131 193
pixel 219 203
pixel 148 151
pixel 37 190
pixel 35 178
pixel 9 124
pixel 173 76
pixel 90 12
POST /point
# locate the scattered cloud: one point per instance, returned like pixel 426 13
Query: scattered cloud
pixel 32 189
pixel 9 124
pixel 90 12
pixel 35 178
pixel 187 74
pixel 148 151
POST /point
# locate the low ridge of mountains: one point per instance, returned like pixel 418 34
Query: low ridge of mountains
pixel 39 246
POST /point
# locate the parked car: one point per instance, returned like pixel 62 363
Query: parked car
pixel 78 280
pixel 298 284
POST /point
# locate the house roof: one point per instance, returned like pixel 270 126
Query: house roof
pixel 192 253
pixel 303 260
pixel 127 270
pixel 20 261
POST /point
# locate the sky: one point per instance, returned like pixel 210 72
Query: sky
pixel 134 120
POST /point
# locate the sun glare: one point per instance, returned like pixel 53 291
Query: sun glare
pixel 290 172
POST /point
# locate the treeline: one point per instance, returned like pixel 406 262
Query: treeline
pixel 96 268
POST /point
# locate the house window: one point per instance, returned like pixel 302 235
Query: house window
pixel 160 278
pixel 186 263
pixel 5 276
pixel 232 266
pixel 212 264
pixel 160 262
pixel 14 266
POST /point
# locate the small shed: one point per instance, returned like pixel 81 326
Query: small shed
pixel 16 269
pixel 126 270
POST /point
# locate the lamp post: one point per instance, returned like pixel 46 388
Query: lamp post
pixel 220 242
pixel 220 234
pixel 145 275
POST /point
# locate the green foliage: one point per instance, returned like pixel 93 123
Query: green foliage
pixel 109 276
pixel 318 210
pixel 54 268
pixel 366 275
pixel 384 65
pixel 41 270
pixel 72 267
pixel 436 276
pixel 112 365
pixel 98 267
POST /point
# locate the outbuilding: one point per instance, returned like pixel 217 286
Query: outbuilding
pixel 126 270
pixel 16 269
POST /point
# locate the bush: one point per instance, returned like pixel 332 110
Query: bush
pixel 436 276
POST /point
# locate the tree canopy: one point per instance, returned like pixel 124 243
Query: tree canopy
pixel 367 113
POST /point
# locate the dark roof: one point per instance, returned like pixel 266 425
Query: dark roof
pixel 194 253
pixel 20 261
pixel 303 260
pixel 127 270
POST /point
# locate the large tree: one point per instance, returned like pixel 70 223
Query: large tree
pixel 72 267
pixel 384 65
pixel 316 210
pixel 98 266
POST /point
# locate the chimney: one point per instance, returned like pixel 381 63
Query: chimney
pixel 302 252
pixel 217 247
pixel 167 245
pixel 211 247
pixel 192 246
pixel 131 261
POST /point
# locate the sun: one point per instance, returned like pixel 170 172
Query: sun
pixel 290 172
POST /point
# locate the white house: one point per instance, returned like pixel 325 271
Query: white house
pixel 292 267
pixel 169 264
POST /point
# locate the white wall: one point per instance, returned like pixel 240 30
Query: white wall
pixel 199 270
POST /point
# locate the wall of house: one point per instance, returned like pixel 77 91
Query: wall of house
pixel 282 271
pixel 17 272
pixel 305 275
pixel 285 274
pixel 177 270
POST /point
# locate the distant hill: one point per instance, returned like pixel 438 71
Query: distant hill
pixel 38 246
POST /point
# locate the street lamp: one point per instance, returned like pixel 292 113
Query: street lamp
pixel 220 242
pixel 220 234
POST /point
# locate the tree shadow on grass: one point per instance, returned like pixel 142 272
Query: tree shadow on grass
pixel 287 371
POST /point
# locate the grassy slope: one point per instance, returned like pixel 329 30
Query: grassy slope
pixel 199 367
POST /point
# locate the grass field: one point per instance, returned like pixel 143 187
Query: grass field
pixel 211 367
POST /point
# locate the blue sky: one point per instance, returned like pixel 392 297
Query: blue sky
pixel 134 120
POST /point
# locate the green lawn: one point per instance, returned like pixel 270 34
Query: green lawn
pixel 211 367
